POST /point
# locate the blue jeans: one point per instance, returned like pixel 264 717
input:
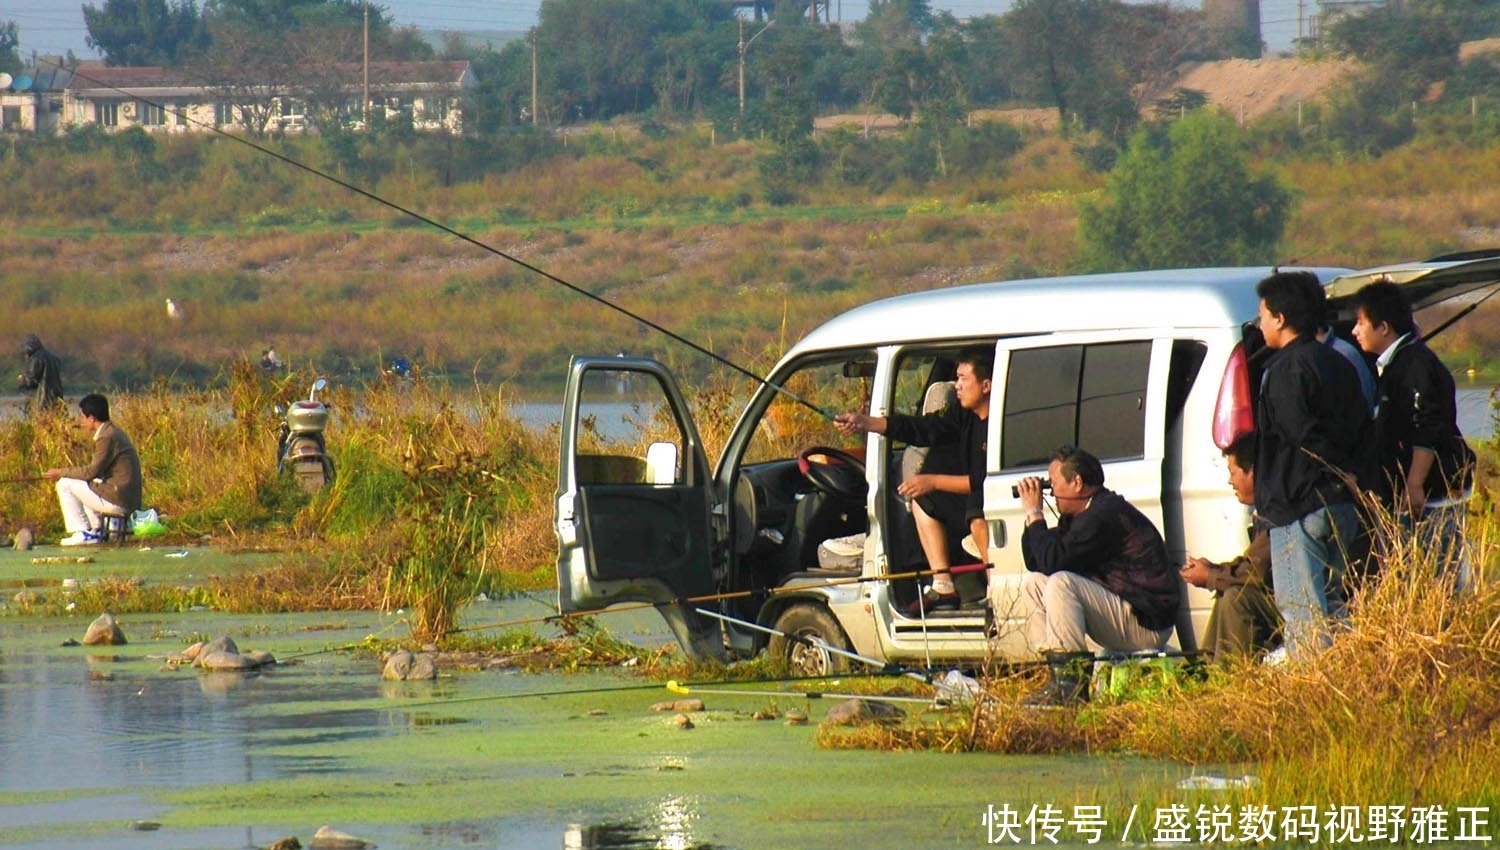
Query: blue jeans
pixel 1439 537
pixel 1307 570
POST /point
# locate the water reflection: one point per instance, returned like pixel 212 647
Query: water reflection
pixel 671 830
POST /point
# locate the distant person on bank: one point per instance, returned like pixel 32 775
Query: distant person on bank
pixel 42 376
pixel 109 485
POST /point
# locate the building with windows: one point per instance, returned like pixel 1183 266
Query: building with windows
pixel 426 96
pixel 31 102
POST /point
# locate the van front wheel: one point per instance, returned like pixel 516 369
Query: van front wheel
pixel 805 630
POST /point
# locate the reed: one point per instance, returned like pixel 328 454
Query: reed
pixel 1404 709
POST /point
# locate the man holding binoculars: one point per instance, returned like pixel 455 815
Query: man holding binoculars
pixel 1101 573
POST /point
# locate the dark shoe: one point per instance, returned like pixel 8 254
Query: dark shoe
pixel 931 600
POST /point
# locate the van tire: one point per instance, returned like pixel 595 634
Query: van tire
pixel 814 623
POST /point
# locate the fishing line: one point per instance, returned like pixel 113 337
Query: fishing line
pixel 562 692
pixel 460 235
pixel 770 593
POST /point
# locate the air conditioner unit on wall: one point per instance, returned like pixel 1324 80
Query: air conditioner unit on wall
pixel 127 110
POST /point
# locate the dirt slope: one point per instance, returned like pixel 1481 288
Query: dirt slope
pixel 1245 88
pixel 1250 88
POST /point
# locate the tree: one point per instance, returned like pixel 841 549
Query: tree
pixel 145 32
pixel 10 43
pixel 1185 197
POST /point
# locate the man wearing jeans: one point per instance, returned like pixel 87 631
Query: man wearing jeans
pixel 1309 424
pixel 109 484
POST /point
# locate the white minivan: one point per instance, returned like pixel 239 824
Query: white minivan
pixel 1150 371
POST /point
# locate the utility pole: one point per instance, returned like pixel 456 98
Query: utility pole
pixel 535 109
pixel 745 45
pixel 365 102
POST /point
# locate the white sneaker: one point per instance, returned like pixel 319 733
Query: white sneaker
pixel 80 538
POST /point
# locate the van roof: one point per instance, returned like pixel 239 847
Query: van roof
pixel 1216 297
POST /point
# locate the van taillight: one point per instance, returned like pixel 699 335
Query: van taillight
pixel 1234 416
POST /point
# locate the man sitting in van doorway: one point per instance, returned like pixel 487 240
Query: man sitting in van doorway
pixel 1244 621
pixel 1101 574
pixel 938 499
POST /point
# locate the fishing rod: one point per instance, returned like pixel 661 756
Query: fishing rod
pixel 769 593
pixel 183 117
pixel 25 479
pixel 689 689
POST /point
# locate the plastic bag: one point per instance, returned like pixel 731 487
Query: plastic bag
pixel 147 523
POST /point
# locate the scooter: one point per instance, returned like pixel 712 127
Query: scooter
pixel 299 444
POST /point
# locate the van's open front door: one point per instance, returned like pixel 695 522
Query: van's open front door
pixel 633 501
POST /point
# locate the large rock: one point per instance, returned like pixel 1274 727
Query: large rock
pixel 853 712
pixel 219 660
pixel 223 643
pixel 404 666
pixel 328 838
pixel 104 632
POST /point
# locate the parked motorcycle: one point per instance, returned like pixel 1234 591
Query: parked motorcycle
pixel 300 448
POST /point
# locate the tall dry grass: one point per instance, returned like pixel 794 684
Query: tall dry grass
pixel 430 478
pixel 1403 709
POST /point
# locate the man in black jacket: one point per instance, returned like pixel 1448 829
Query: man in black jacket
pixel 1102 573
pixel 43 375
pixel 1426 467
pixel 1309 424
pixel 938 500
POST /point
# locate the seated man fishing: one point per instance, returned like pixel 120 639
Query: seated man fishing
pixel 1244 620
pixel 109 484
pixel 936 499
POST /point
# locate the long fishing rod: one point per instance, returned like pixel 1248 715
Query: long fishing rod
pixel 563 692
pixel 689 689
pixel 25 479
pixel 182 117
pixel 769 593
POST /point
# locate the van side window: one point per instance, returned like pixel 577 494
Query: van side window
pixel 1093 396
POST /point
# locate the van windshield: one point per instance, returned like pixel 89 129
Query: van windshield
pixel 833 384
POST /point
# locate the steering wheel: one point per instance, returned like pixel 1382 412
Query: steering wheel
pixel 834 472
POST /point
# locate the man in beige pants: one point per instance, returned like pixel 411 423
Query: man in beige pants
pixel 1102 573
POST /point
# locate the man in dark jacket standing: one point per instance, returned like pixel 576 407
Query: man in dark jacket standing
pixel 1426 467
pixel 1102 573
pixel 109 484
pixel 43 375
pixel 1309 424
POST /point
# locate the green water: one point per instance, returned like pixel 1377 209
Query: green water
pixel 94 742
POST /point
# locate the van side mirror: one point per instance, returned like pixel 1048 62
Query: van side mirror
pixel 661 463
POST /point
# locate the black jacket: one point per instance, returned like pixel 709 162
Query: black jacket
pixel 953 425
pixel 1114 544
pixel 1418 409
pixel 1311 423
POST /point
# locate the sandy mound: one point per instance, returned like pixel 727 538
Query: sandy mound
pixel 1250 88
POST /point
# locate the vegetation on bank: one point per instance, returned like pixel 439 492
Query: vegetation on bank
pixel 1404 709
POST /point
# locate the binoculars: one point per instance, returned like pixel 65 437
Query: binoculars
pixel 1015 492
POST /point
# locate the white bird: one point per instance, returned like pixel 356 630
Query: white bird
pixel 174 309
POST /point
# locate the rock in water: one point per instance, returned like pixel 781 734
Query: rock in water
pixel 328 838
pixel 104 632
pixel 403 666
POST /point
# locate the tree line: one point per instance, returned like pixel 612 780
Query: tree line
pixel 1094 61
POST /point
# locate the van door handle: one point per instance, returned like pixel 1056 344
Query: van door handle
pixel 997 534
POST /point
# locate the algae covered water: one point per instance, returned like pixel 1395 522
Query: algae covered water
pixel 114 749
